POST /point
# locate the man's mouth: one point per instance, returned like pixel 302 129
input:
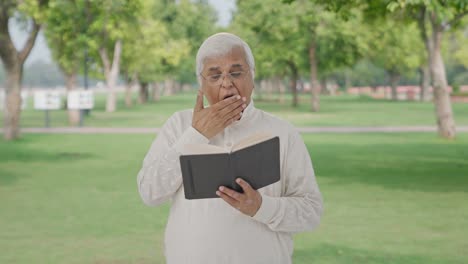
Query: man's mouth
pixel 229 95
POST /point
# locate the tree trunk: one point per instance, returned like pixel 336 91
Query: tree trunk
pixel 426 71
pixel 13 61
pixel 177 87
pixel 262 90
pixel 128 93
pixel 156 92
pixel 12 110
pixel 314 83
pixel 73 114
pixel 394 80
pixel 443 105
pixel 111 72
pixel 144 93
pixel 168 86
pixel 347 79
pixel 293 83
pixel 424 82
pixel 276 86
pixel 323 86
pixel 282 90
pixel 129 84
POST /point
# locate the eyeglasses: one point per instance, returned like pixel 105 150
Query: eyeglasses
pixel 217 79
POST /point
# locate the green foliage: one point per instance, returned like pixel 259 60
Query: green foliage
pixel 396 47
pixel 282 33
pixel 148 47
pixel 188 23
pixel 66 33
pixel 166 39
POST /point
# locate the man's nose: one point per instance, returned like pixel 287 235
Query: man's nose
pixel 227 82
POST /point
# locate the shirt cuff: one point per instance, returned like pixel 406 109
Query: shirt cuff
pixel 190 136
pixel 267 209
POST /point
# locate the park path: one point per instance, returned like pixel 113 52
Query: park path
pixel 145 130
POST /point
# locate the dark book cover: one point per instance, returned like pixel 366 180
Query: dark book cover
pixel 257 164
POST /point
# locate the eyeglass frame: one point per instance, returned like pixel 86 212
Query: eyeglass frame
pixel 223 75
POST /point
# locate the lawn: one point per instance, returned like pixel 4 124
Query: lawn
pixel 344 110
pixel 389 198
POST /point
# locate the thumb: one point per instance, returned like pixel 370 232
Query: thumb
pixel 199 103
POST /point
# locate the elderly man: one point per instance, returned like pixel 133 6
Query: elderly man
pixel 255 226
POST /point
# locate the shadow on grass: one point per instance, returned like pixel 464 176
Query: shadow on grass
pixel 431 167
pixel 20 151
pixel 327 253
pixel 20 154
pixel 7 177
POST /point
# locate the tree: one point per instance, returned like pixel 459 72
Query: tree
pixel 32 12
pixel 151 49
pixel 190 22
pixel 273 32
pixel 434 18
pixel 65 33
pixel 396 48
pixel 109 23
pixel 302 36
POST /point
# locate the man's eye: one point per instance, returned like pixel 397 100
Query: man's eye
pixel 215 77
pixel 236 74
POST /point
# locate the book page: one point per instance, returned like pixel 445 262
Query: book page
pixel 252 140
pixel 196 149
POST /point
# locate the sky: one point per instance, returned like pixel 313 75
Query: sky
pixel 42 52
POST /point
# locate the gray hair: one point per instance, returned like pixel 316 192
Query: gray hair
pixel 220 44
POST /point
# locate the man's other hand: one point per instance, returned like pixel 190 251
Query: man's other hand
pixel 248 202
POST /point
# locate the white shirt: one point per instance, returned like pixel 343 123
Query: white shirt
pixel 210 230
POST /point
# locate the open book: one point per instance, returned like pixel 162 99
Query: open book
pixel 206 167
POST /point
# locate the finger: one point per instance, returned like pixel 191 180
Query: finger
pixel 199 103
pixel 245 186
pixel 227 102
pixel 234 203
pixel 234 113
pixel 229 121
pixel 233 194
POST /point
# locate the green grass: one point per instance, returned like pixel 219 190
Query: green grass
pixel 389 198
pixel 342 110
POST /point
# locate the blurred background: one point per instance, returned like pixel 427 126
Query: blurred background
pixel 378 89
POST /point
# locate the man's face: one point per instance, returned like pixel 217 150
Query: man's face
pixel 227 75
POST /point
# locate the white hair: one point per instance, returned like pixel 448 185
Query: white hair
pixel 221 44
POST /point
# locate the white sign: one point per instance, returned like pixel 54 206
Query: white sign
pixel 83 99
pixel 24 100
pixel 46 100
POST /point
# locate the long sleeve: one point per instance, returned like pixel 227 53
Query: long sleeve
pixel 160 176
pixel 301 206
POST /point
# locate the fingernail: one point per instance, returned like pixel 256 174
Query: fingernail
pixel 221 188
pixel 217 193
pixel 238 181
pixel 238 97
pixel 243 99
pixel 244 106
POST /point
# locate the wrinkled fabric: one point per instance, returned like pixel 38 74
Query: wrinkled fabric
pixel 210 230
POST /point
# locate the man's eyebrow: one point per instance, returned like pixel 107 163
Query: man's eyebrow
pixel 213 68
pixel 236 66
